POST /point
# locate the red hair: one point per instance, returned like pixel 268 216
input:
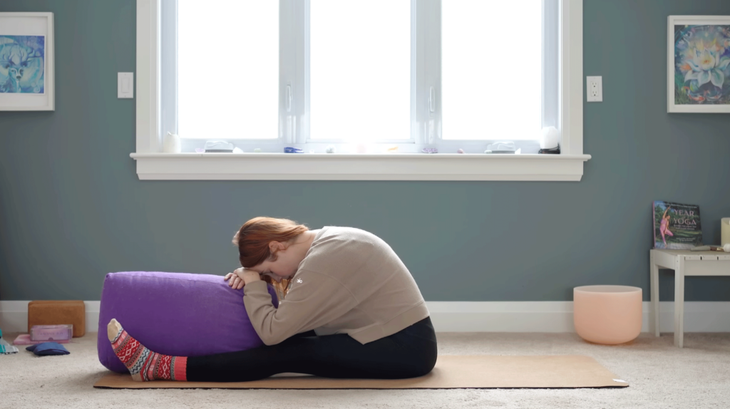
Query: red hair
pixel 253 239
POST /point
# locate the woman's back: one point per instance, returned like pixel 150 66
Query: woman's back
pixel 350 281
pixel 371 275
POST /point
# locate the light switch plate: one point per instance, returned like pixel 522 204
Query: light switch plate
pixel 125 85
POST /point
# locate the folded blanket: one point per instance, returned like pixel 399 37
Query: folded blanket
pixel 24 339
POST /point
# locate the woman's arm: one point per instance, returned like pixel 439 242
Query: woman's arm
pixel 314 300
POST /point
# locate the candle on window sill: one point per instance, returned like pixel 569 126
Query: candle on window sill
pixel 725 231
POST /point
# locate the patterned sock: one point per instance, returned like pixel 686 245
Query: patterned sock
pixel 143 364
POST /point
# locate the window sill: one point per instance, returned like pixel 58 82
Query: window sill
pixel 337 166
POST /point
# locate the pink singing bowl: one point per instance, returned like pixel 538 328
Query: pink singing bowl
pixel 607 314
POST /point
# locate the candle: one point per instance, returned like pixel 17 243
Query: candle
pixel 725 230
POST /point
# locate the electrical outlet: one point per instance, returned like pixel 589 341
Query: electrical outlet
pixel 594 89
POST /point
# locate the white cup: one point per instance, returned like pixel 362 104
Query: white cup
pixel 171 143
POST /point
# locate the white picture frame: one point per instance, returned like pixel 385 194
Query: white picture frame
pixel 27 63
pixel 698 64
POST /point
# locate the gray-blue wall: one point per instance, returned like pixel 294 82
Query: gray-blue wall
pixel 72 208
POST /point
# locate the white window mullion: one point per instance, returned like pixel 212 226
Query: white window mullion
pixel 293 66
pixel 570 116
pixel 550 59
pixel 305 35
pixel 168 57
pixel 428 71
pixel 415 136
pixel 148 138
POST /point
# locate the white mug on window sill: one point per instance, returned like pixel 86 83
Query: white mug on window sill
pixel 171 143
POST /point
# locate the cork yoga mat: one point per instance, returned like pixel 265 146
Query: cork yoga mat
pixel 451 372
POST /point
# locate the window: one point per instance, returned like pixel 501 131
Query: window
pixel 227 68
pixel 367 81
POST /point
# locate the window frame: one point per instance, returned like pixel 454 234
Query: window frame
pixel 153 164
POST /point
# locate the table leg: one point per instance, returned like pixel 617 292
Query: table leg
pixel 679 304
pixel 654 287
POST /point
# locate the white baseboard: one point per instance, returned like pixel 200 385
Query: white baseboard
pixel 447 316
pixel 557 316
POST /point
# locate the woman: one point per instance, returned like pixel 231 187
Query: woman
pixel 664 227
pixel 351 310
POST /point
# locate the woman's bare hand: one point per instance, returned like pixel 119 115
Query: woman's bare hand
pixel 240 277
pixel 234 280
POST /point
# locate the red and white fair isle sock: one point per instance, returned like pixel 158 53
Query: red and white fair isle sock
pixel 143 364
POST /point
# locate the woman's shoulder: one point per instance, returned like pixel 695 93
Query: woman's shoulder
pixel 340 238
pixel 337 249
pixel 347 234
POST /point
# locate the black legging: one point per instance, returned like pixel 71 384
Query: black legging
pixel 406 354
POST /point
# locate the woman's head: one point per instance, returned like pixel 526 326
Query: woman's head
pixel 260 239
pixel 254 239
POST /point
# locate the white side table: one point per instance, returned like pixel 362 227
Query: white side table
pixel 684 263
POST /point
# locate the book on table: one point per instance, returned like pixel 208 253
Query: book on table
pixel 676 225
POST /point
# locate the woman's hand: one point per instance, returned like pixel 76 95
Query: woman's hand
pixel 234 281
pixel 240 277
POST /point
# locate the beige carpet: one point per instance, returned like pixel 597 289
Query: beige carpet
pixel 661 377
pixel 451 371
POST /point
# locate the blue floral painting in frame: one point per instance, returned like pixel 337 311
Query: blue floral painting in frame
pixel 22 64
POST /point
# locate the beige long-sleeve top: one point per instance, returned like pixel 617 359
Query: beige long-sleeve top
pixel 350 281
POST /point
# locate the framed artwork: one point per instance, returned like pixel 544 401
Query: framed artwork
pixel 26 62
pixel 698 64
